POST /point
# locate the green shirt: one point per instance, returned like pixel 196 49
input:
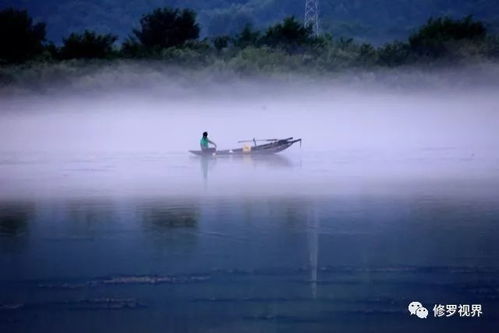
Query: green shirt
pixel 204 142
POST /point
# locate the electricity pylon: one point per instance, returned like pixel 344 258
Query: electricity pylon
pixel 312 15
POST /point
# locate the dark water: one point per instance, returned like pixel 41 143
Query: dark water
pixel 295 243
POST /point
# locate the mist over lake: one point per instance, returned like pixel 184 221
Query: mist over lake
pixel 107 222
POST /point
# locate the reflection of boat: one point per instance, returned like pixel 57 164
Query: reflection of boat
pixel 274 146
pixel 209 162
pixel 313 241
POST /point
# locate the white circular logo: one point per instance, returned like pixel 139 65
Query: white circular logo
pixel 414 306
pixel 422 313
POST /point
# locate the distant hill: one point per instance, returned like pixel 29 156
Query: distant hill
pixel 371 20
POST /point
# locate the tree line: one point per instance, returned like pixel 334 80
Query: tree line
pixel 172 35
pixel 376 21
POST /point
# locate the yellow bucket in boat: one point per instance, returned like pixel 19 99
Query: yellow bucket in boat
pixel 246 148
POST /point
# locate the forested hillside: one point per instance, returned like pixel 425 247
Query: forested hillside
pixel 370 20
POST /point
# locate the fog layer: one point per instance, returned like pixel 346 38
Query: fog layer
pixel 349 119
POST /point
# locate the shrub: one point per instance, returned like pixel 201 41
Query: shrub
pixel 247 37
pixel 264 59
pixel 221 42
pixel 367 55
pixel 393 54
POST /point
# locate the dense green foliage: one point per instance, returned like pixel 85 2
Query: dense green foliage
pixel 172 37
pixel 167 27
pixel 221 42
pixel 394 54
pixel 247 37
pixel 87 45
pixel 290 35
pixel 20 39
pixel 438 37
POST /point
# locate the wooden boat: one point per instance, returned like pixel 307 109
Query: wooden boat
pixel 273 146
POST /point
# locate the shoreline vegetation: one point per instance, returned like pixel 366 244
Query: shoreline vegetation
pixel 167 39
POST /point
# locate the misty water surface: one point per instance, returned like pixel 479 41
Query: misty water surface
pixel 107 222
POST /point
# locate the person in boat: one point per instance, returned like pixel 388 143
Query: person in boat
pixel 205 142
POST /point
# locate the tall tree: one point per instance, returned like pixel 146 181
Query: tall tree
pixel 87 45
pixel 247 37
pixel 167 27
pixel 289 35
pixel 20 39
pixel 437 35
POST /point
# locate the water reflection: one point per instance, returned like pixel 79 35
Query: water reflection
pixel 162 218
pixel 267 262
pixel 313 243
pixel 208 163
pixel 15 217
pixel 85 218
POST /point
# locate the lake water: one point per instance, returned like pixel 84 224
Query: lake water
pixel 330 240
